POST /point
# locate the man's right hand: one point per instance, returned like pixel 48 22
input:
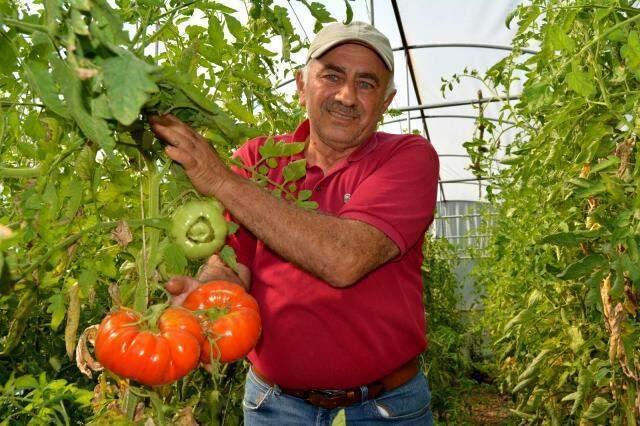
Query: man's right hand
pixel 180 286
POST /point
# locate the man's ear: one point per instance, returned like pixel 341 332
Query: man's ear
pixel 300 86
pixel 387 101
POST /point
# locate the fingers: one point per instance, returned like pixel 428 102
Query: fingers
pixel 173 131
pixel 181 156
pixel 180 287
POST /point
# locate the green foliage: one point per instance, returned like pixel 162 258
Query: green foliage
pixel 561 274
pixel 86 190
pixel 448 360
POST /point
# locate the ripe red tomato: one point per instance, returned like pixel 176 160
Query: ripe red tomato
pixel 151 357
pixel 236 330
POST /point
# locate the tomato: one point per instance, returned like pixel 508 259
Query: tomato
pixel 150 357
pixel 199 228
pixel 234 332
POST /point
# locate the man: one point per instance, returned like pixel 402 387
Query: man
pixel 340 288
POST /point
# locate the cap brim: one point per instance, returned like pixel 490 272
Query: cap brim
pixel 324 49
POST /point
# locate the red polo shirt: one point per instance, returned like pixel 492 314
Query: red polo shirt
pixel 317 336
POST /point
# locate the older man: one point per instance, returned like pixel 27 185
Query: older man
pixel 339 289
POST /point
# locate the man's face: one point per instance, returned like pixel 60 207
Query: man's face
pixel 345 95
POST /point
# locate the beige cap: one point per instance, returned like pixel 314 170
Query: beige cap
pixel 357 32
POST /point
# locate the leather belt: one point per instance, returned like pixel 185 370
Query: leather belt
pixel 331 399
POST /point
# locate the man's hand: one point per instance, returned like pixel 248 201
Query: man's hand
pixel 201 163
pixel 181 286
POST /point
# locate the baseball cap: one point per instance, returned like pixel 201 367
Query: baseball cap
pixel 355 32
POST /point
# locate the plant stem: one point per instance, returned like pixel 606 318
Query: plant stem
pixel 19 172
pixel 253 171
pixel 151 237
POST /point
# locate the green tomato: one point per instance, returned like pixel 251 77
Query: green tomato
pixel 199 228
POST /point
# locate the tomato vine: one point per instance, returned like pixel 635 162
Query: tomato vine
pixel 86 192
pixel 561 272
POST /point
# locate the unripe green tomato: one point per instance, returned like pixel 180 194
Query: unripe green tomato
pixel 199 228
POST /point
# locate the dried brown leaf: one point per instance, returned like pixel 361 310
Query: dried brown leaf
pixel 122 234
pixel 84 360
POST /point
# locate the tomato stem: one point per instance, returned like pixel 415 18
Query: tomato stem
pixel 19 172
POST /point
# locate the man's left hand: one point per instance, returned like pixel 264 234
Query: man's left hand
pixel 201 163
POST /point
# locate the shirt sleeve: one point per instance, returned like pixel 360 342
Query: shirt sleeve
pixel 399 198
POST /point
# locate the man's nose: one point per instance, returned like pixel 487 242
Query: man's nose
pixel 347 94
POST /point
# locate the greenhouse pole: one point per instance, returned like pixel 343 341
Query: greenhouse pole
pixel 411 71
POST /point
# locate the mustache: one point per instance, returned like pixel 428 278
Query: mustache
pixel 339 107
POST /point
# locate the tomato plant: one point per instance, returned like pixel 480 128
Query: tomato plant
pixel 86 193
pixel 561 269
pixel 232 332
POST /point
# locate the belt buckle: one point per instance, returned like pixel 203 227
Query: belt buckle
pixel 329 399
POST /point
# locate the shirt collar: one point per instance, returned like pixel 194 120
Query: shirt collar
pixel 304 129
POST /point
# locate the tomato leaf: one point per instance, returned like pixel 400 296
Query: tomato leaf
pixel 234 26
pixel 240 111
pixel 581 82
pixel 174 259
pixel 57 308
pixel 294 170
pixel 598 408
pixel 631 52
pixel 280 149
pixel 93 128
pixel 228 256
pixel 128 83
pixel 304 195
pixel 41 82
pixel 584 267
pixel 87 280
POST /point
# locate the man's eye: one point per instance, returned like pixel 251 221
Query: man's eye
pixel 366 85
pixel 331 77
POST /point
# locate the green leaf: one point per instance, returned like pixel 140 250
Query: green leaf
pixel 598 408
pixel 523 384
pixel 631 52
pixel 510 17
pixel 581 82
pixel 232 227
pixel 93 128
pixel 25 382
pixel 295 170
pixel 128 83
pixel 78 23
pixel 611 161
pixel 174 259
pixel 304 195
pixel 228 256
pixel 533 366
pixel 235 27
pixel 559 39
pixel 584 267
pixel 240 111
pixel 280 149
pixel 100 107
pixel 9 63
pixel 41 82
pixel 307 205
pixel 349 12
pixel 319 11
pixel 86 281
pixel 57 308
pixel 570 238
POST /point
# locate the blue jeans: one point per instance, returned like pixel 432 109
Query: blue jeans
pixel 409 404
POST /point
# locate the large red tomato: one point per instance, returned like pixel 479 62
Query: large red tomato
pixel 151 357
pixel 233 327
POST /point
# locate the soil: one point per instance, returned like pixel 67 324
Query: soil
pixel 488 407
